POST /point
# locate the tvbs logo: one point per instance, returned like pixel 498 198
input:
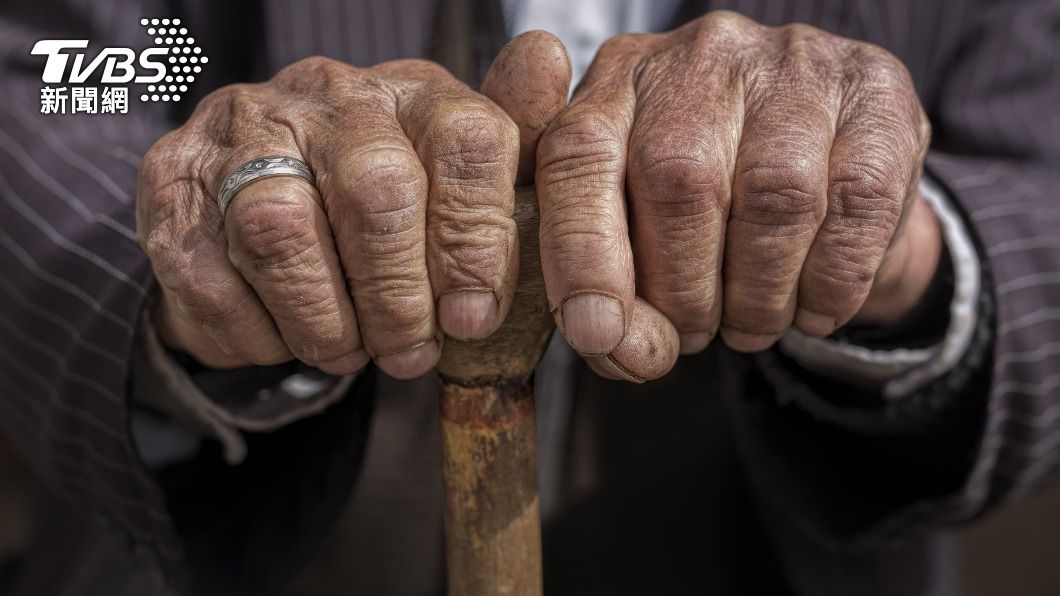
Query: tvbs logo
pixel 165 68
pixel 118 63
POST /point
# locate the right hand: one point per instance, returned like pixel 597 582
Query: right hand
pixel 409 226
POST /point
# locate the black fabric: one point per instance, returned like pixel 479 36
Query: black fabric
pixel 668 509
pixel 249 529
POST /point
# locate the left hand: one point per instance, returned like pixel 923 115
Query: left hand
pixel 771 178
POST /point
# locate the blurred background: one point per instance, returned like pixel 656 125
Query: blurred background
pixel 1015 552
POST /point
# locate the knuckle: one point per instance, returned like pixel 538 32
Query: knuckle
pixel 412 69
pixel 808 58
pixel 472 142
pixel 320 64
pixel 621 44
pixel 783 191
pixel 322 69
pixel 762 315
pixel 370 170
pixel 579 245
pixel 581 145
pixel 848 268
pixel 386 186
pixel 323 341
pixel 171 157
pixel 797 35
pixel 402 309
pixel 201 297
pixel 157 161
pixel 245 103
pixel 276 235
pixel 472 253
pixel 231 101
pixel 689 304
pixel 154 227
pixel 876 68
pixel 157 208
pixel 805 41
pixel 679 174
pixel 213 102
pixel 869 191
pixel 317 308
pixel 727 19
pixel 229 115
pixel 453 225
pixel 721 28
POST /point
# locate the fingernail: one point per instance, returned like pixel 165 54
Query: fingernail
pixel 605 369
pixel 692 343
pixel 609 367
pixel 468 314
pixel 814 324
pixel 411 363
pixel 747 342
pixel 592 323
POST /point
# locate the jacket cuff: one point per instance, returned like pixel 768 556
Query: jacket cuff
pixel 219 404
pixel 898 372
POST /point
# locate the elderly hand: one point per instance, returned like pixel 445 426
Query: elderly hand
pixel 407 231
pixel 734 176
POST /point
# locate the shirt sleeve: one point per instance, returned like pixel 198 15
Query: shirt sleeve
pixel 197 403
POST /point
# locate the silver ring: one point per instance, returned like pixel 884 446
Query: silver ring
pixel 256 169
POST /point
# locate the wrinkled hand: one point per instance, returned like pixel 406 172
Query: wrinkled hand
pixel 771 180
pixel 408 228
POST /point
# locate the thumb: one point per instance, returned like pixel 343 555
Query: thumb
pixel 529 80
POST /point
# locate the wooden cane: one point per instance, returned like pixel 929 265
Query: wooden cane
pixel 492 525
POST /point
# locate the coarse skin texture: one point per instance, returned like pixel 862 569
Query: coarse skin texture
pixel 736 177
pixel 410 222
pixel 724 177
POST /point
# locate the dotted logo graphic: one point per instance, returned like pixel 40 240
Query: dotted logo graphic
pixel 185 59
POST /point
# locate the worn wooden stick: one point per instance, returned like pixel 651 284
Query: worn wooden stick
pixel 492 525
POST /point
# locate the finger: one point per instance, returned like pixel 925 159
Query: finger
pixel 907 269
pixel 470 150
pixel 585 251
pixel 874 169
pixel 529 79
pixel 374 190
pixel 177 332
pixel 212 313
pixel 779 199
pixel 647 352
pixel 280 241
pixel 682 155
pixel 276 232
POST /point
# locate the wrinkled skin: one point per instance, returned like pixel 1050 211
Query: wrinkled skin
pixel 722 176
pixel 736 177
pixel 410 221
